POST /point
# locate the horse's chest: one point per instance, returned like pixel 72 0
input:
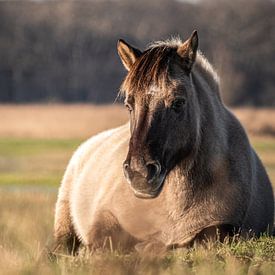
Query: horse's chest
pixel 142 218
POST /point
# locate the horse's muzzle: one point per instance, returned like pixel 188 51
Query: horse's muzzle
pixel 146 183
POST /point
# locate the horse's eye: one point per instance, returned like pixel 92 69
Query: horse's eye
pixel 178 104
pixel 129 107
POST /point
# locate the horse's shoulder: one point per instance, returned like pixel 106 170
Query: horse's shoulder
pixel 88 147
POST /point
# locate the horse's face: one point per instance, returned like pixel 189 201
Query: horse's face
pixel 162 104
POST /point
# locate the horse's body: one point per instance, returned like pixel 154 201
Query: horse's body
pixel 220 183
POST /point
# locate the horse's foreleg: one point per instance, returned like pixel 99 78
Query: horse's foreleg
pixel 107 233
pixel 64 233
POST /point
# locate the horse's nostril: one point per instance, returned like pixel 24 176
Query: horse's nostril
pixel 126 169
pixel 128 173
pixel 153 170
pixel 150 171
pixel 126 166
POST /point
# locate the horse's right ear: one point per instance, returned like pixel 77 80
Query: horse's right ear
pixel 127 53
pixel 188 50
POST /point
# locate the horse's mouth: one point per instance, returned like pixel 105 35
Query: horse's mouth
pixel 147 190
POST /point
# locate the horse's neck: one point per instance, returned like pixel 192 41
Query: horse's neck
pixel 190 178
pixel 212 148
pixel 213 120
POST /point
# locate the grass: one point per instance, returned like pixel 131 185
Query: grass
pixel 26 230
pixel 34 161
pixel 34 152
pixel 23 147
pixel 27 220
pixel 57 121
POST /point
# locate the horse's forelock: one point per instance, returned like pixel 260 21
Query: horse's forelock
pixel 152 68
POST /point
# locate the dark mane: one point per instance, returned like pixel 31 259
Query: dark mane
pixel 151 68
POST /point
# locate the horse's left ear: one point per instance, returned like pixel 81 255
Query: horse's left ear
pixel 188 50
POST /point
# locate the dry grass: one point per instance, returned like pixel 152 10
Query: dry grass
pixel 258 122
pixel 26 231
pixel 84 120
pixel 26 225
pixel 58 121
pixel 36 142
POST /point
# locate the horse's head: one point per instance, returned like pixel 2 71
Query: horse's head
pixel 163 107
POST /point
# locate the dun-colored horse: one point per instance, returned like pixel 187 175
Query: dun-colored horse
pixel 178 171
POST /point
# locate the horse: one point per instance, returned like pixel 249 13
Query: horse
pixel 180 170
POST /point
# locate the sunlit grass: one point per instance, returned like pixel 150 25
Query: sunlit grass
pixel 26 223
pixel 26 235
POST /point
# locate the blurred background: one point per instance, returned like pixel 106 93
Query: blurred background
pixel 59 78
pixel 65 51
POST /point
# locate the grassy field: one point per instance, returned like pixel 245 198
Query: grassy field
pixel 36 143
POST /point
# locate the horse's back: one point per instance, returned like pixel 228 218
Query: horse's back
pixel 248 171
pixel 261 210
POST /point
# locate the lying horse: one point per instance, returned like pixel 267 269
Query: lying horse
pixel 179 170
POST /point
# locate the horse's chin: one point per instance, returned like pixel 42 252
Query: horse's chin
pixel 152 190
pixel 142 195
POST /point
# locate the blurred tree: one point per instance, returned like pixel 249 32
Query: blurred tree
pixel 66 50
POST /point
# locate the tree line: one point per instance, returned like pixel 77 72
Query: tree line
pixel 65 51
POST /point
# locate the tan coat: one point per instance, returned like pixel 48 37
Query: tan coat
pixel 227 185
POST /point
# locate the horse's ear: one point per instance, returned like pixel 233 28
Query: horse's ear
pixel 127 53
pixel 188 50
